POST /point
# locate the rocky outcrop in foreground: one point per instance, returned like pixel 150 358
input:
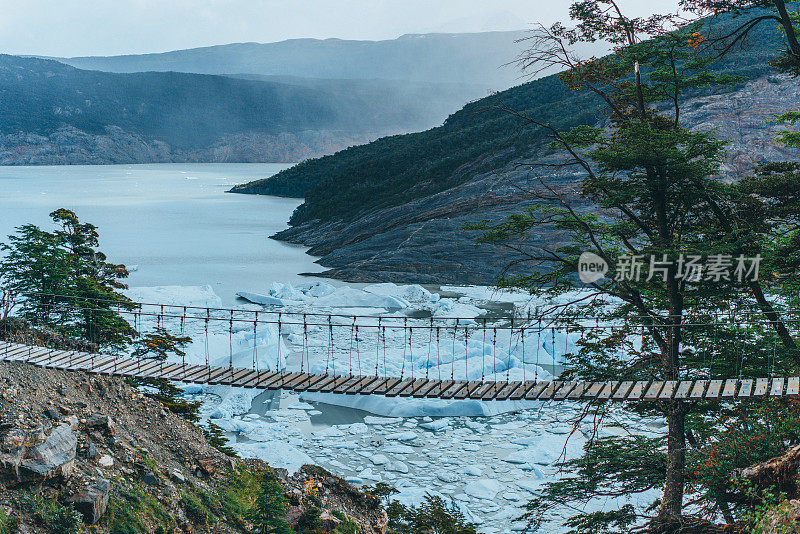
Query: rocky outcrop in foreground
pixel 78 449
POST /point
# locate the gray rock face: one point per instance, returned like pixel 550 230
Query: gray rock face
pixel 70 146
pixel 423 241
pixel 92 501
pixel 55 455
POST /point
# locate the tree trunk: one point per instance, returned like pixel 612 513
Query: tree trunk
pixel 672 500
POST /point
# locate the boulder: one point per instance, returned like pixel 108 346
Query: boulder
pixel 55 455
pixel 102 422
pixel 92 500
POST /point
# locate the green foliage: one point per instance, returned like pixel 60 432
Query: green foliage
pixel 269 510
pixel 132 510
pixel 8 523
pixel 381 491
pixel 62 281
pixel 433 516
pixel 217 439
pixel 602 522
pixel 56 518
pixel 158 345
pixel 196 511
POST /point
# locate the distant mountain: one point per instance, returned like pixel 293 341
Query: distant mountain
pixel 394 209
pixel 472 58
pixel 55 113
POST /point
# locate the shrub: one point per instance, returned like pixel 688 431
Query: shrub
pixel 268 513
pixel 52 515
pixel 196 511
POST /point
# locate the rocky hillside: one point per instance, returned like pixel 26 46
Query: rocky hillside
pixel 91 452
pixel 394 210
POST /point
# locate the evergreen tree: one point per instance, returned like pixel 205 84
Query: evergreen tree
pixel 61 280
pixel 267 516
pixel 158 345
pixel 654 195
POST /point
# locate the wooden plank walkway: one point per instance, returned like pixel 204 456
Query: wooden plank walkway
pixel 640 391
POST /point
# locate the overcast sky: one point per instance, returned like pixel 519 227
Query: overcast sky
pixel 110 27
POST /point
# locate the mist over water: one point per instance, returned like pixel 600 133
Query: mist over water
pixel 174 221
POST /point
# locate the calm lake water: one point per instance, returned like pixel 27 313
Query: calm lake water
pixel 174 221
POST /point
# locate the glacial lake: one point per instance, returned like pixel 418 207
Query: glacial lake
pixel 174 221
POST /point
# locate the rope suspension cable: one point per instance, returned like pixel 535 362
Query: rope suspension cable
pixel 255 346
pixel 385 372
pixel 522 340
pixel 538 346
pixel 453 353
pixel 208 364
pixel 510 342
pixel 378 347
pixel 411 349
pixel 329 349
pixel 304 352
pixel 358 352
pixel 483 352
pixel 553 346
pixel 428 356
pixel 278 356
pixel 494 353
pixel 350 349
pixel 230 345
pixel 466 353
pixel 405 336
pixel 438 356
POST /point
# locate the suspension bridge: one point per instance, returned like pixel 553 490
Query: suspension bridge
pixel 358 344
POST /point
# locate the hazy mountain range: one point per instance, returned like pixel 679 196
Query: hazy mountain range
pixel 275 102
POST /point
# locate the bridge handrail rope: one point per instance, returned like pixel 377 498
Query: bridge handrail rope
pixel 739 313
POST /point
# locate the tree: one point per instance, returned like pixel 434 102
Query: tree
pixel 158 345
pixel 62 281
pixel 268 513
pixel 432 516
pixel 654 193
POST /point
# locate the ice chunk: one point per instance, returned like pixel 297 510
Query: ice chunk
pixel 200 296
pixel 484 488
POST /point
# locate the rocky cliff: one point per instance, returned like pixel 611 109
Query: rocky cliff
pixel 71 146
pixel 80 451
pixel 423 240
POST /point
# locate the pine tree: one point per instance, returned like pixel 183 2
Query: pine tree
pixel 268 513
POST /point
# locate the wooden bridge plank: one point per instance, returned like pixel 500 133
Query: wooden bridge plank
pixel 485 389
pixel 390 383
pixel 637 390
pixel 54 359
pixel 439 388
pixel 654 390
pixel 41 357
pixel 453 389
pixel 99 364
pixel 398 387
pixel 316 383
pixel 608 390
pixel 427 388
pixel 370 388
pixel 192 372
pixel 777 387
pixel 550 390
pixel 465 392
pixel 623 389
pixel 78 363
pixel 106 368
pixel 414 387
pixel 593 390
pixel 578 390
pixel 684 388
pixel 364 384
pixel 762 385
pixel 301 384
pixel 16 353
pixel 505 392
pixel 668 390
pixel 343 386
pixel 285 380
pixel 729 390
pixel 793 386
pixel 698 389
pixel 533 391
pixel 147 368
pixel 522 390
pixel 267 379
pixel 562 392
pixel 218 375
pixel 713 389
